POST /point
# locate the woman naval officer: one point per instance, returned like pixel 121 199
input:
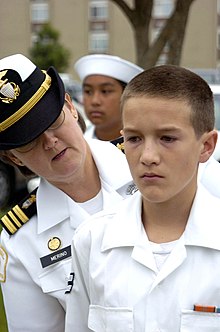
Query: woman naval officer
pixel 42 134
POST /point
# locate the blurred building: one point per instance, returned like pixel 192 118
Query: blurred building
pixel 99 26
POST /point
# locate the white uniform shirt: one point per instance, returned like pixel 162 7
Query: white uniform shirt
pixel 34 291
pixel 90 132
pixel 209 175
pixel 118 287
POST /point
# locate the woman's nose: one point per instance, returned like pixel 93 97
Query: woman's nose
pixel 49 139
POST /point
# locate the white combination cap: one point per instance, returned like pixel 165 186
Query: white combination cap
pixel 107 65
pixel 19 63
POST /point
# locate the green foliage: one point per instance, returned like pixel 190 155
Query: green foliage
pixel 48 51
pixel 3 324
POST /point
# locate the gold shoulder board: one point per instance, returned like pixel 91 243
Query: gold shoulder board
pixel 119 143
pixel 20 213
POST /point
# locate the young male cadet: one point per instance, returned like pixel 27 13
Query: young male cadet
pixel 153 264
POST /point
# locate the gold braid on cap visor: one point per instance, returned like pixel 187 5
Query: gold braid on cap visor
pixel 28 105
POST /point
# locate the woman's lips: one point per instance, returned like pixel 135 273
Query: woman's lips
pixel 59 155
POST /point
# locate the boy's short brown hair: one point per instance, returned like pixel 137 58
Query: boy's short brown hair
pixel 173 82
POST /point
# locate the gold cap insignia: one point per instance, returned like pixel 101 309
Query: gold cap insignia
pixel 9 90
pixel 54 243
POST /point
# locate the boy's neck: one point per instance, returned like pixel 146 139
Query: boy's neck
pixel 166 222
pixel 108 134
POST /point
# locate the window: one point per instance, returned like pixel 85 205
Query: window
pixel 162 59
pixel 157 29
pixel 98 10
pixel 162 8
pixel 39 13
pixel 98 26
pixel 218 38
pixel 98 43
pixel 218 6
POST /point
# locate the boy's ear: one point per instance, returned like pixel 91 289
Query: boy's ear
pixel 209 144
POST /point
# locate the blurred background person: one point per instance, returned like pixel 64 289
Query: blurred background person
pixel 104 78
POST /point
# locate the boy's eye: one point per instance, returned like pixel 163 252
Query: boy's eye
pixel 106 91
pixel 132 139
pixel 87 91
pixel 168 139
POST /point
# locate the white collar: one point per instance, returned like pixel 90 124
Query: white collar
pixel 203 226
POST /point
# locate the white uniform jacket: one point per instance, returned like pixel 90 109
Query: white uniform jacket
pixel 36 277
pixel 118 288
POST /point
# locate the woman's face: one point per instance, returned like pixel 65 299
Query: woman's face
pixel 60 152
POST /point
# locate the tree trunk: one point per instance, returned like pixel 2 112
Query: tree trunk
pixel 178 32
pixel 172 33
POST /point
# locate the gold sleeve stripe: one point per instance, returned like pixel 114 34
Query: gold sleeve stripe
pixel 8 224
pixel 13 217
pixel 22 212
pixel 21 215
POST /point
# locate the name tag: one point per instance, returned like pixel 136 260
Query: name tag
pixel 56 257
